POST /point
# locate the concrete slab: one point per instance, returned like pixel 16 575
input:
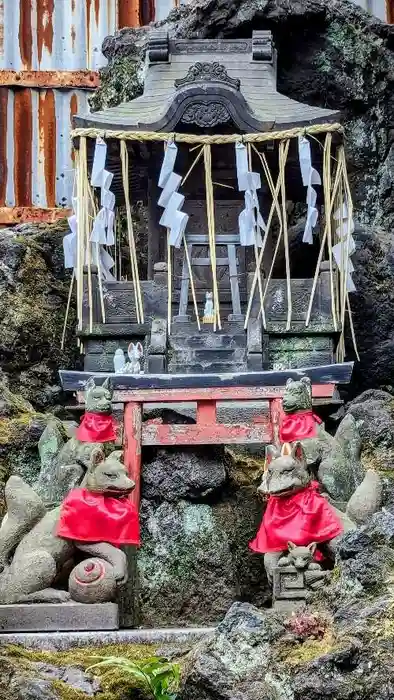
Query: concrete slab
pixel 58 617
pixel 61 641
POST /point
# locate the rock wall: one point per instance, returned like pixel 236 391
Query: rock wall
pixel 196 525
pixel 33 297
pixel 341 647
pixel 331 55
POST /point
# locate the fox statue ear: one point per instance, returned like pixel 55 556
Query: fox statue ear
pixel 116 454
pixel 312 547
pixel 271 452
pixel 139 349
pixel 107 384
pixel 97 456
pixel 291 546
pixel 297 452
pixel 90 384
pixel 286 450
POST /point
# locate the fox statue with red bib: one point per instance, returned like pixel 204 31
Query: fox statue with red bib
pixel 297 512
pixel 94 519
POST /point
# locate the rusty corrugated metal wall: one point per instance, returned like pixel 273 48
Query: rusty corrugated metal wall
pixel 379 8
pixel 50 52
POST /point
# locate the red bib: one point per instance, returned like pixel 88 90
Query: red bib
pixel 95 517
pixel 298 426
pixel 303 517
pixel 97 427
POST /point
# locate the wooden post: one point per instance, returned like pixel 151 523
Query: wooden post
pixel 132 438
pixel 275 412
pixel 206 412
pixel 128 602
pixel 156 252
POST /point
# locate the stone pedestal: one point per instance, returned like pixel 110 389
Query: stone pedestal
pixel 289 589
pixel 58 617
pixel 291 586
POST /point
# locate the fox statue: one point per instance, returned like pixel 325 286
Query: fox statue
pixel 35 545
pixel 296 512
pixel 334 459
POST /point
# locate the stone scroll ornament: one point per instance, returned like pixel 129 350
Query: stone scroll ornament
pixel 250 221
pixel 346 245
pixel 174 220
pixel 310 177
pixel 102 234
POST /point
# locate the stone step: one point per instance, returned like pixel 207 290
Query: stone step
pixel 207 368
pixel 211 342
pixel 190 328
pixel 186 355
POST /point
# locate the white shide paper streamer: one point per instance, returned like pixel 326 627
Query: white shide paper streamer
pixel 170 199
pixel 310 177
pixel 346 245
pixel 250 221
pixel 102 232
pixel 103 226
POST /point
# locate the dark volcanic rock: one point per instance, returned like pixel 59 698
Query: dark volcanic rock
pixel 331 55
pixel 16 684
pixel 195 562
pixel 182 474
pixel 235 663
pixel 72 676
pixel 185 565
pixel 374 413
pixel 366 556
pixel 340 647
pixel 33 296
pixel 20 430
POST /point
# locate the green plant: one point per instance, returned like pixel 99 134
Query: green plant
pixel 158 677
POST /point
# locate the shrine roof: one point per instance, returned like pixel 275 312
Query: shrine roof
pixel 208 83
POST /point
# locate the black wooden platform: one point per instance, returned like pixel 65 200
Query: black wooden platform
pixel 323 374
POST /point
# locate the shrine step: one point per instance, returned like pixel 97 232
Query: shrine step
pixel 56 617
pixel 63 641
pixel 193 351
pixel 206 368
pixel 213 341
pixel 222 354
pixel 190 328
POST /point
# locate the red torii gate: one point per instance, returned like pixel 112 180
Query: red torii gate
pixel 206 430
pixel 133 391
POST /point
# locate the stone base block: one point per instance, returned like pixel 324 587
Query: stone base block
pixel 58 617
pixel 289 606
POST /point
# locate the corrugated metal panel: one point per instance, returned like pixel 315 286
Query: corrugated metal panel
pixel 375 7
pixel 38 166
pixel 55 34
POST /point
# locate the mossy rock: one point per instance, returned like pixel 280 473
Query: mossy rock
pixel 114 686
pixel 20 429
pixel 34 288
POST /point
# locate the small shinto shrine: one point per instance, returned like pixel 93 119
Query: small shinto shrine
pixel 221 276
pixel 210 244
